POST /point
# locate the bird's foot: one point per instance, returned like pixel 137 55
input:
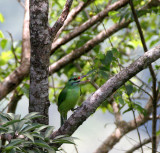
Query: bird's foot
pixel 73 109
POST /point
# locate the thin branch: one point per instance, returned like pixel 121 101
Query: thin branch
pixel 26 47
pixel 71 16
pixel 59 23
pixel 14 101
pixel 137 131
pixel 21 3
pixel 13 49
pixel 154 121
pixel 134 148
pixel 142 89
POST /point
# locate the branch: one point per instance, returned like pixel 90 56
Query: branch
pixel 14 101
pixel 154 92
pixel 13 49
pixel 73 13
pixel 59 23
pixel 93 102
pixel 87 47
pixel 125 127
pixel 26 47
pixel 89 23
pixel 135 147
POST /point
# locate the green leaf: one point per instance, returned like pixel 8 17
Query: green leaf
pixel 3 43
pixel 158 133
pixel 31 127
pixel 1 34
pixel 140 109
pixel 1 18
pixel 129 89
pixel 31 115
pixel 129 109
pixel 153 42
pixel 109 107
pixel 104 74
pixel 49 131
pixel 68 140
pixel 43 145
pixel 10 123
pixel 108 58
pixel 28 135
pixel 14 143
pixel 37 135
pixel 41 128
pixel 21 124
pixel 121 101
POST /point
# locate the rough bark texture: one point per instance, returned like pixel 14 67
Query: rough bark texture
pixel 40 49
pixel 41 38
pixel 92 103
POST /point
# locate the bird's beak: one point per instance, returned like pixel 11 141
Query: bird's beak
pixel 81 77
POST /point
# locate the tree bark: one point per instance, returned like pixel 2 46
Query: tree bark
pixel 40 50
pixel 41 38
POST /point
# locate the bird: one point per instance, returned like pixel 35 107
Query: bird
pixel 69 96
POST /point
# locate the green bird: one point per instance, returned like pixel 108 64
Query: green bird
pixel 69 96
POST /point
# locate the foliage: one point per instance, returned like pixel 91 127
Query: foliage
pixel 22 135
pixel 105 60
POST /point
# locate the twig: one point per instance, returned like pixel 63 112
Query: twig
pixel 139 145
pixel 154 121
pixel 73 13
pixel 13 49
pixel 53 86
pixel 21 3
pixel 141 89
pixel 14 101
pixel 59 23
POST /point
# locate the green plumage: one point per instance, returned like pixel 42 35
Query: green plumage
pixel 68 97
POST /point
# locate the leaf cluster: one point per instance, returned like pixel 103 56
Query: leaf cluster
pixel 22 135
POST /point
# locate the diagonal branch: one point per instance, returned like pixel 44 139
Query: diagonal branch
pixel 59 23
pixel 144 142
pixel 93 102
pixel 73 13
pixel 89 23
pixel 154 92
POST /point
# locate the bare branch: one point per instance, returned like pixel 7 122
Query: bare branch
pixel 146 141
pixel 154 92
pixel 90 105
pixel 21 3
pixel 14 101
pixel 89 23
pixel 13 49
pixel 25 56
pixel 59 23
pixel 73 13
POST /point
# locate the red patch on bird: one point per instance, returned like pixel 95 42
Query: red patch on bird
pixel 79 77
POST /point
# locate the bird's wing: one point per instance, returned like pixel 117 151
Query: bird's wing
pixel 62 96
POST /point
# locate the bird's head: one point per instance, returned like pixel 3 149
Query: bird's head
pixel 75 80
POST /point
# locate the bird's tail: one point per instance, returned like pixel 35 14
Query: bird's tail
pixel 63 119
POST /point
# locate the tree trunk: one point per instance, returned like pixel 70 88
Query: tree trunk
pixel 40 51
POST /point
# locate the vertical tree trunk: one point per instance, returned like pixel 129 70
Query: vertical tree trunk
pixel 40 50
pixel 41 38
